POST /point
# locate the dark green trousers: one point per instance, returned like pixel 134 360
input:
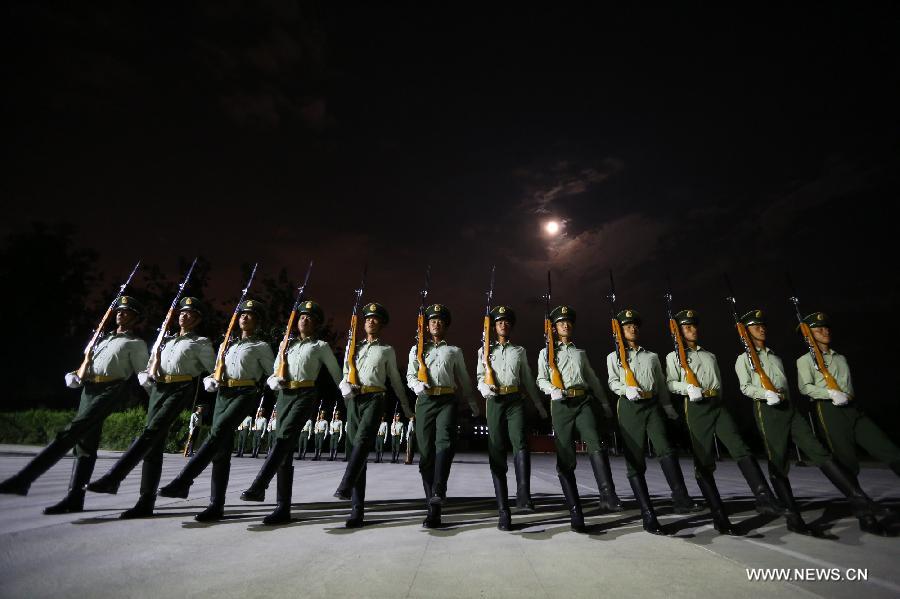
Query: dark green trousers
pixel 436 428
pixel 167 401
pixel 637 420
pixel 707 419
pixel 845 427
pixel 778 425
pixel 320 440
pixel 233 404
pixel 570 416
pixel 365 412
pixel 395 443
pixel 379 443
pixel 506 421
pixel 335 443
pixel 293 406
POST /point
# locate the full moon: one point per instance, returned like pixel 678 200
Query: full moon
pixel 552 227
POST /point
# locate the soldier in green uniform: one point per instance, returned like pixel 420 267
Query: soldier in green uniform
pixel 779 422
pixel 116 357
pixel 376 363
pixel 842 421
pixel 506 413
pixel 321 431
pixel 396 438
pixel 574 410
pixel 183 359
pixel 248 360
pixel 336 430
pixel 259 428
pixel 707 417
pixel 410 439
pixel 296 395
pixel 243 432
pixel 305 434
pixel 640 415
pixel 271 428
pixel 436 407
pixel 379 440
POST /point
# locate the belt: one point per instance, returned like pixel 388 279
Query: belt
pixel 300 384
pixel 439 390
pixel 507 390
pixel 240 382
pixel 710 393
pixel 574 392
pixel 102 378
pixel 366 389
pixel 175 378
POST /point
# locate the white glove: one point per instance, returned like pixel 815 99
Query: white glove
pixel 607 411
pixel 772 398
pixel 72 380
pixel 633 393
pixel 556 394
pixel 274 383
pixel 419 387
pixel 144 380
pixel 670 412
pixel 694 393
pixel 485 390
pixel 346 389
pixel 210 384
pixel 838 398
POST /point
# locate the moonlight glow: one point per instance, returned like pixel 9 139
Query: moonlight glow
pixel 552 227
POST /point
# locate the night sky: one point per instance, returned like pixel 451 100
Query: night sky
pixel 690 141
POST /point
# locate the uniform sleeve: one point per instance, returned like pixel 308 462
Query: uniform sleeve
pixel 205 355
pixel 849 390
pixel 615 383
pixel 330 363
pixel 673 375
pixel 266 359
pixel 745 379
pixel 786 391
pixel 806 377
pixel 397 381
pixel 659 380
pixel 543 373
pixel 139 357
pixel 462 377
pixel 479 365
pixel 718 376
pixel 593 380
pixel 346 367
pixel 528 380
pixel 412 368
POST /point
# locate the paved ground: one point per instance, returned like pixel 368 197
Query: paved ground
pixel 93 554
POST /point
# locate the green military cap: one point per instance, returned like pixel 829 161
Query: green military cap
pixel 562 313
pixel 254 306
pixel 190 303
pixel 629 316
pixel 817 319
pixel 127 302
pixel 377 310
pixel 313 309
pixel 755 316
pixel 687 317
pixel 438 311
pixel 503 313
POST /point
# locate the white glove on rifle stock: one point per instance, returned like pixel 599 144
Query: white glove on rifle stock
pixel 72 380
pixel 838 398
pixel 632 393
pixel 210 384
pixel 772 398
pixel 419 387
pixel 486 390
pixel 556 394
pixel 346 389
pixel 694 392
pixel 275 383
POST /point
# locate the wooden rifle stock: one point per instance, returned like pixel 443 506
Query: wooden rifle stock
pixel 89 350
pixel 830 381
pixel 555 375
pixel 282 372
pixel 689 375
pixel 420 348
pixel 153 367
pixel 630 379
pixel 352 372
pixel 764 379
pixel 219 370
pixel 489 379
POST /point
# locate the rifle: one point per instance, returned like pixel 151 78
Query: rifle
pixel 555 376
pixel 156 352
pixel 689 375
pixel 749 347
pixel 486 336
pixel 89 350
pixel 618 339
pixel 818 359
pixel 350 354
pixel 289 330
pixel 420 329
pixel 219 369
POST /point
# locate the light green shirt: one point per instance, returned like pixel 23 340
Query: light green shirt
pixel 307 427
pixel 249 358
pixel 749 379
pixel 704 365
pixel 187 354
pixel 446 368
pixel 647 370
pixel 376 362
pixel 119 355
pixel 510 366
pixel 305 358
pixel 382 429
pixel 247 424
pixel 337 427
pixel 575 368
pixel 397 429
pixel 321 426
pixel 812 383
pixel 259 424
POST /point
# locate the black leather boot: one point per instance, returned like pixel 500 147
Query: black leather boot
pixel 109 482
pixel 642 496
pixel 501 491
pixel 274 459
pixel 710 491
pixel 522 461
pixel 150 475
pixel 765 501
pixel 442 461
pixel 355 465
pixel 608 500
pixel 863 507
pixel 573 501
pixel 74 500
pixel 217 487
pixel 433 518
pixel 681 501
pixel 180 487
pixel 358 501
pixel 284 489
pixel 19 483
pixel 793 518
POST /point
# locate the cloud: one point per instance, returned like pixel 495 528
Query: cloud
pixel 544 188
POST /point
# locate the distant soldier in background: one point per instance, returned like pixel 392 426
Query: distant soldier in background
pixel 337 433
pixel 243 430
pixel 259 428
pixel 193 431
pixel 410 439
pixel 396 438
pixel 379 440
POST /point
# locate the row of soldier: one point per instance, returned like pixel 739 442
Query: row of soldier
pixel 578 408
